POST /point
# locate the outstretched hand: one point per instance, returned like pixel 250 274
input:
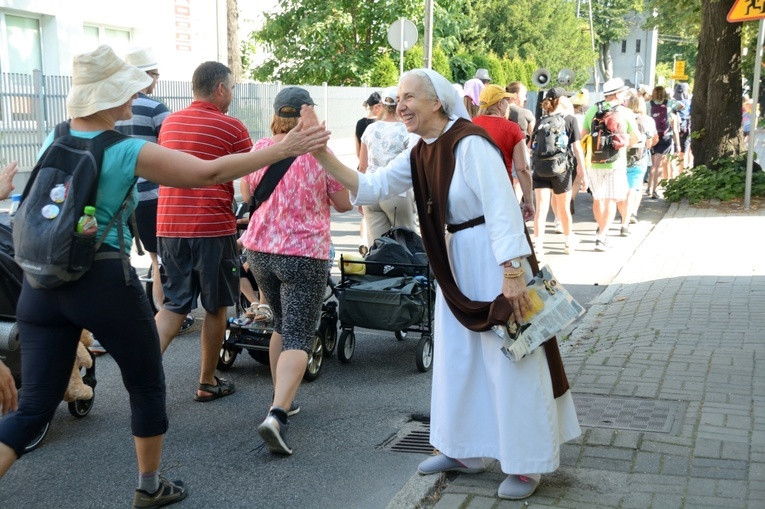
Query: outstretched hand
pixel 6 179
pixel 307 136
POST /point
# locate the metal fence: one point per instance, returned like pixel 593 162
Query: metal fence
pixel 32 105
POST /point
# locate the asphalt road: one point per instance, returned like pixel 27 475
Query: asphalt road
pixel 347 414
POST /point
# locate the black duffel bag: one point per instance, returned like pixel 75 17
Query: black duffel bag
pixel 389 304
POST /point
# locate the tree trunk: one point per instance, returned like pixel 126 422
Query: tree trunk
pixel 604 62
pixel 232 40
pixel 716 112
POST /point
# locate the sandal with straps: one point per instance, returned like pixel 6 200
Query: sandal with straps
pixel 263 313
pixel 221 388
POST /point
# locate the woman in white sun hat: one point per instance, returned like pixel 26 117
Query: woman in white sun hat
pixel 103 88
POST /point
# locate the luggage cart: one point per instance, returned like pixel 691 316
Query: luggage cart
pixel 400 304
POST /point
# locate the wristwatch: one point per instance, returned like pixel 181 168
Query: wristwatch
pixel 515 263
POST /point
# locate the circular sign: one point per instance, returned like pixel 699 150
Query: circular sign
pixel 395 34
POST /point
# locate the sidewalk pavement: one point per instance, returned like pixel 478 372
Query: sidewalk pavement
pixel 683 323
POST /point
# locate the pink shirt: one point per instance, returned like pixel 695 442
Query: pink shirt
pixel 294 221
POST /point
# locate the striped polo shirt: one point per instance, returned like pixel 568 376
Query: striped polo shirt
pixel 203 131
pixel 148 115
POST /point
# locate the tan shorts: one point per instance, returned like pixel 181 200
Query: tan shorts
pixel 608 184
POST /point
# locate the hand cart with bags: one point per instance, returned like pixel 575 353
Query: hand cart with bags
pixel 392 289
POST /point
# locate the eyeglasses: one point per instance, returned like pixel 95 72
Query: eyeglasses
pixel 153 74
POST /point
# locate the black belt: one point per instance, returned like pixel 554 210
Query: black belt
pixel 454 228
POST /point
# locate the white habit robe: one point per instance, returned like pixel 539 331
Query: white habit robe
pixel 482 403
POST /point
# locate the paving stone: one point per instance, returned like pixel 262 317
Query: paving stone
pixel 647 463
pixel 479 502
pixel 718 469
pixel 449 501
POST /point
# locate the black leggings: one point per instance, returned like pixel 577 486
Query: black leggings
pixel 294 287
pixel 50 322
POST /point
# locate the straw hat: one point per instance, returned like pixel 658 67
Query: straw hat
pixel 101 80
pixel 143 58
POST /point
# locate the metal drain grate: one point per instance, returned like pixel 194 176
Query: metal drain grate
pixel 626 413
pixel 634 414
pixel 415 437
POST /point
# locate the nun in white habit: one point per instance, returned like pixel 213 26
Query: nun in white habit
pixel 484 407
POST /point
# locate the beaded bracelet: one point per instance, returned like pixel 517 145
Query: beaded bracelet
pixel 513 275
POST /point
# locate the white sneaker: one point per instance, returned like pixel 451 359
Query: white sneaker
pixel 557 227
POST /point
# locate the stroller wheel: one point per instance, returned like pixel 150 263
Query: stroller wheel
pixel 37 440
pixel 226 358
pixel 315 359
pixel 424 358
pixel 260 356
pixel 328 334
pixel 346 345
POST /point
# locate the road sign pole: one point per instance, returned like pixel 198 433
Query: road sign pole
pixel 755 104
pixel 401 53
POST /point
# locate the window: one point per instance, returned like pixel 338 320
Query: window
pixel 94 36
pixel 624 46
pixel 22 51
pixel 20 55
pixel 637 46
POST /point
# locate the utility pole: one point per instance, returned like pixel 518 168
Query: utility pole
pixel 427 60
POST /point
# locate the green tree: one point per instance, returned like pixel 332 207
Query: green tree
pixel 679 26
pixel 455 26
pixel 333 41
pixel 384 72
pixel 546 32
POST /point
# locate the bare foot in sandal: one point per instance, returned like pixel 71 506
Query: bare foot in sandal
pixel 209 392
pixel 263 313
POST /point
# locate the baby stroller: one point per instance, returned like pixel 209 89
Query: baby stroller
pixel 10 348
pixel 255 337
pixel 392 289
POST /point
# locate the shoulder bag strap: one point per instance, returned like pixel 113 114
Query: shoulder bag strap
pixel 268 183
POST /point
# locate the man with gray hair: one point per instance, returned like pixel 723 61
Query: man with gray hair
pixel 196 228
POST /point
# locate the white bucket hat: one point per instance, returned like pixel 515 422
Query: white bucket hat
pixel 101 80
pixel 613 86
pixel 143 58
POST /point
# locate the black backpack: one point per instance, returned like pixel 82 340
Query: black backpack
pixel 550 144
pixel 606 141
pixel 65 180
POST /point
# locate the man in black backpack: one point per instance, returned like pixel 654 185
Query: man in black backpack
pixel 609 130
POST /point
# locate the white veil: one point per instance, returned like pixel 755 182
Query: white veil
pixel 447 94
